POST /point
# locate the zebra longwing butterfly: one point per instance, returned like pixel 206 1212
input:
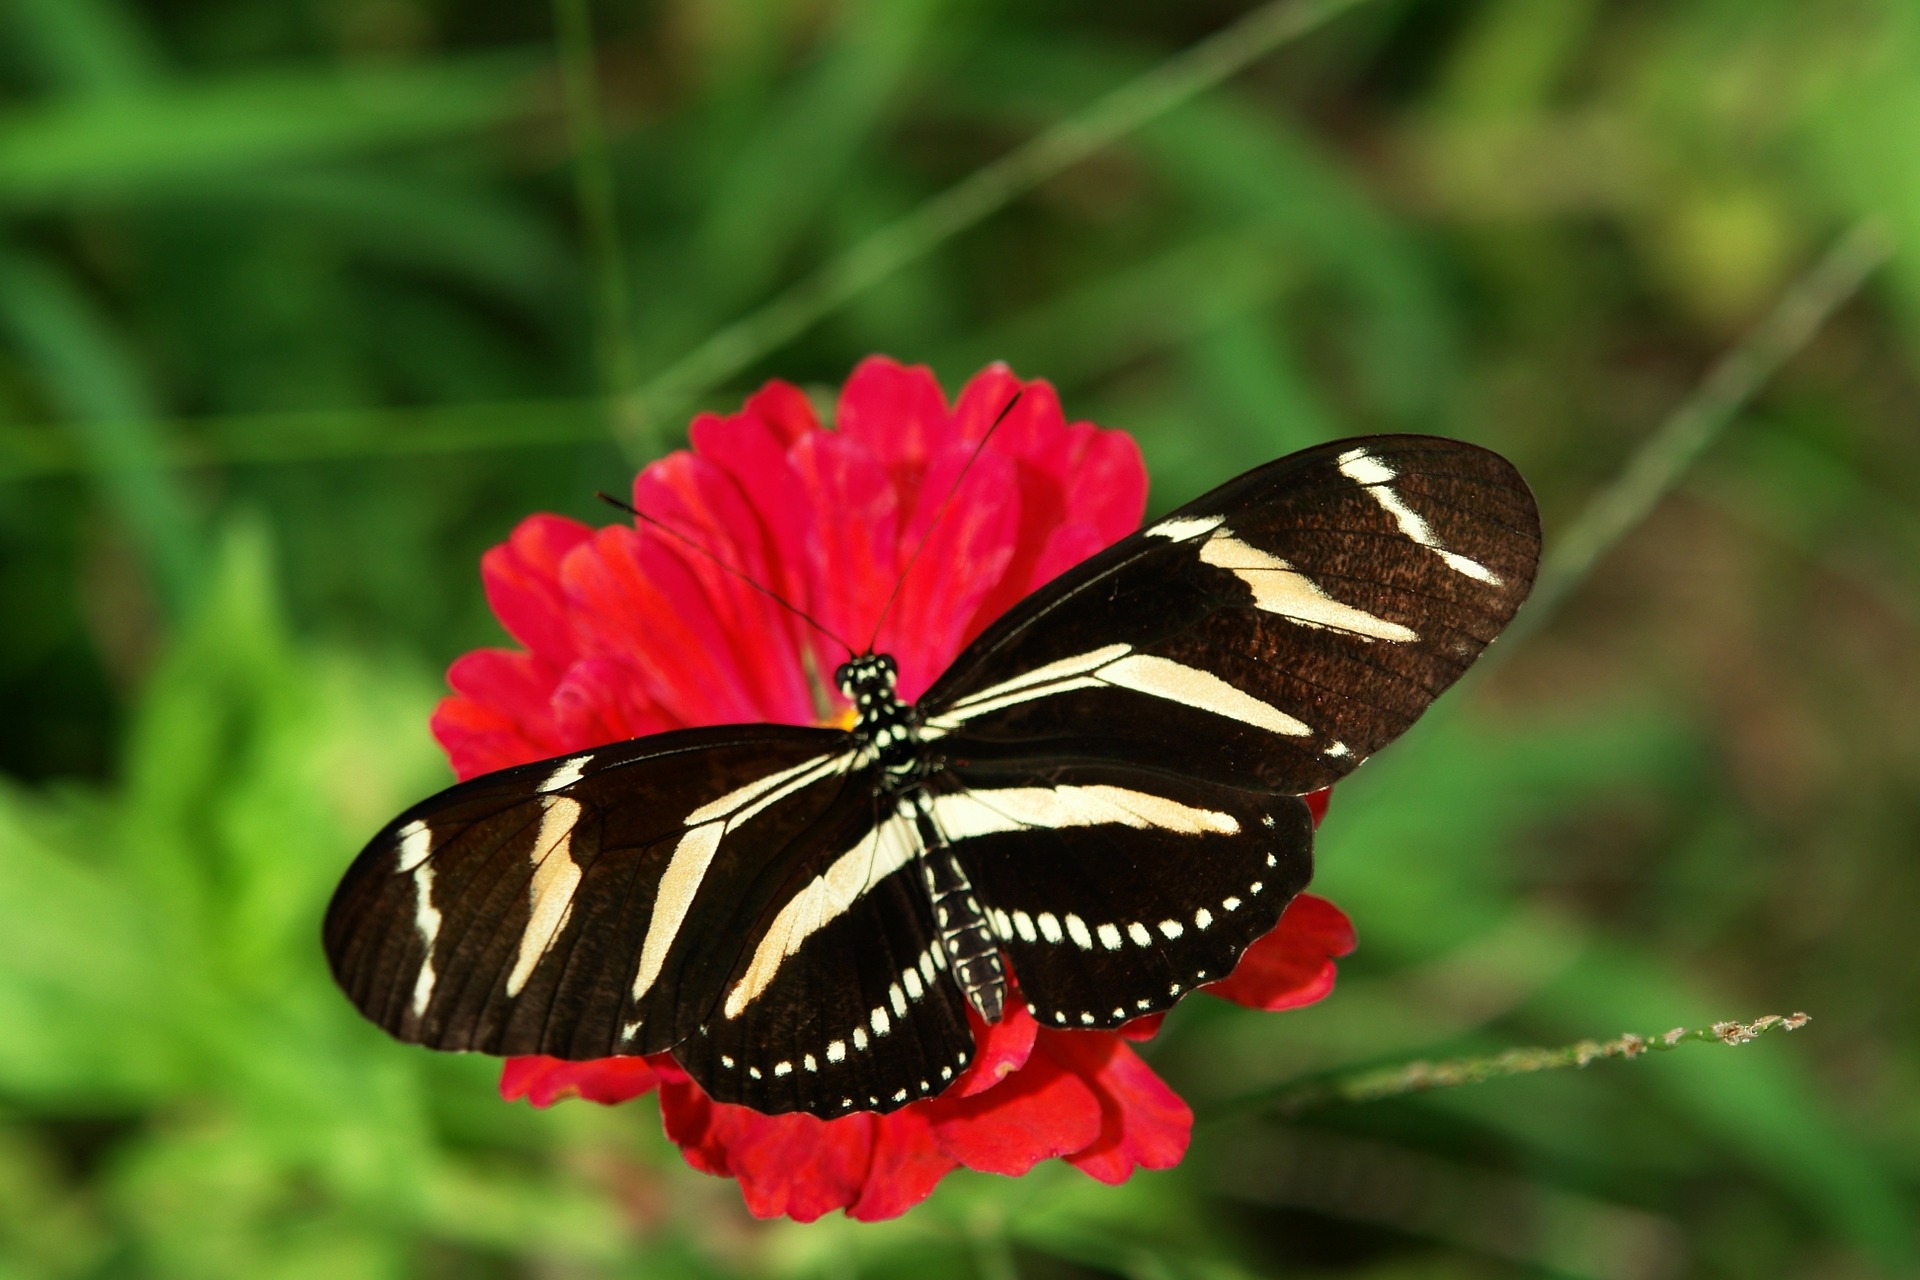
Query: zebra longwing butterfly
pixel 1100 799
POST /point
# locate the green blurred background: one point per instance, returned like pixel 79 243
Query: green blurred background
pixel 303 303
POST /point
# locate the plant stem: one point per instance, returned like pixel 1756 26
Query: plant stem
pixel 593 189
pixel 1374 1083
pixel 90 373
pixel 985 191
pixel 1659 463
pixel 992 1253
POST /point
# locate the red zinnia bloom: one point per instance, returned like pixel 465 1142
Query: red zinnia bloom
pixel 626 633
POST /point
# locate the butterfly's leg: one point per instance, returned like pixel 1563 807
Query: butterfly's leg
pixel 966 937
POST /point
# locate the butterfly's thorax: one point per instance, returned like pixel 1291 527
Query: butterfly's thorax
pixel 883 723
pixel 890 728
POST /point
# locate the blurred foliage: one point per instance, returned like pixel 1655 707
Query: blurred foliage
pixel 300 310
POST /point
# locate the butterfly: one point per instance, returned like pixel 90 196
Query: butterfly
pixel 1095 810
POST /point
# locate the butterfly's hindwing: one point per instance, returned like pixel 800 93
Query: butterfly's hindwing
pixel 1115 891
pixel 843 1001
pixel 582 906
pixel 1273 633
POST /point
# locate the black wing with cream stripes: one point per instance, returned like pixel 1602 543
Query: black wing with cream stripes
pixel 558 908
pixel 1115 891
pixel 1273 633
pixel 1103 792
pixel 864 1016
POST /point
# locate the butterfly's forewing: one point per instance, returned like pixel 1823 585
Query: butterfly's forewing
pixel 558 908
pixel 1116 890
pixel 1273 633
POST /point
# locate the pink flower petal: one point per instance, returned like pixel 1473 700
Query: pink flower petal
pixel 1031 429
pixel 898 413
pixel 1108 498
pixel 907 1164
pixel 595 703
pixel 785 409
pixel 639 605
pixel 1000 1049
pixel 753 451
pixel 1107 486
pixel 1037 1113
pixel 500 714
pixel 794 1166
pixel 854 550
pixel 1293 965
pixel 1066 546
pixel 1143 1123
pixel 522 579
pixel 544 1081
pixel 700 498
pixel 965 560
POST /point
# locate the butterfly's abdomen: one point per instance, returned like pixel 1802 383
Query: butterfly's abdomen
pixel 891 730
pixel 965 935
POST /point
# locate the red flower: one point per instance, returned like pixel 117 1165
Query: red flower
pixel 624 632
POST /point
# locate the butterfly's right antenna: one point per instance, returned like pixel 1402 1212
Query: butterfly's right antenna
pixel 683 539
pixel 934 523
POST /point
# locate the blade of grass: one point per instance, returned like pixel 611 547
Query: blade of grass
pixel 163 141
pixel 244 439
pixel 85 46
pixel 736 347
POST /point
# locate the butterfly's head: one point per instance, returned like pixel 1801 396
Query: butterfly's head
pixel 867 681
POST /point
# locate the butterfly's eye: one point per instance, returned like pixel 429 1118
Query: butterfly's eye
pixel 885 663
pixel 843 679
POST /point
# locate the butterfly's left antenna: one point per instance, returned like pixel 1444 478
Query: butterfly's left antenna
pixel 768 592
pixel 934 523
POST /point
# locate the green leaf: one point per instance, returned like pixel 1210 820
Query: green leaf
pixel 1236 164
pixel 87 46
pixel 91 374
pixel 806 139
pixel 83 976
pixel 167 138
